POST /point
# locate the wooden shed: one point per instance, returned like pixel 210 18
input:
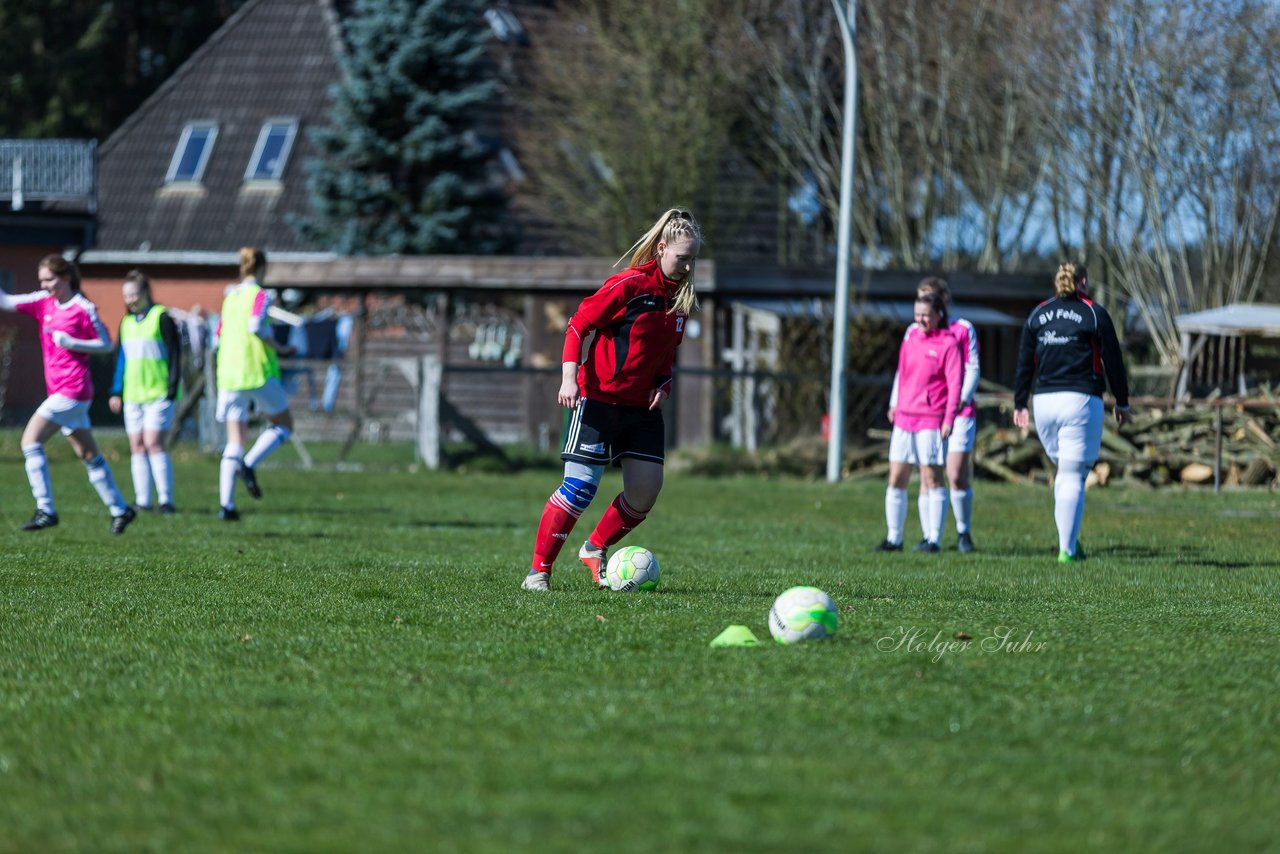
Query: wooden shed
pixel 1216 348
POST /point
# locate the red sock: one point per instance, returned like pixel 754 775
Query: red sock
pixel 616 523
pixel 553 531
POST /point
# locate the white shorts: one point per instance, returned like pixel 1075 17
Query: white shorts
pixel 922 447
pixel 70 415
pixel 155 416
pixel 963 433
pixel 270 398
pixel 1069 424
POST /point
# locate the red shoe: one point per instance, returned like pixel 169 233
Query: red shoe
pixel 595 559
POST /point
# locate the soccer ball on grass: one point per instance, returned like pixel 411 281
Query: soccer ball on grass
pixel 632 568
pixel 802 614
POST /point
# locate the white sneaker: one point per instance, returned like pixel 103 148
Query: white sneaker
pixel 536 581
pixel 596 560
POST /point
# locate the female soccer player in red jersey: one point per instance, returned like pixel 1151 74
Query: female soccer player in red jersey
pixel 617 390
pixel 1070 353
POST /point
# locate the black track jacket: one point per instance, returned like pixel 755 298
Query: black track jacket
pixel 1069 344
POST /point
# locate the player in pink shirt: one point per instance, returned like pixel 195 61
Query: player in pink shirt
pixel 965 430
pixel 922 409
pixel 69 331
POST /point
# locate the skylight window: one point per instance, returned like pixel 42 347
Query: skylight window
pixel 272 151
pixel 194 147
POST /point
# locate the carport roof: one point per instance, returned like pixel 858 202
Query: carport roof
pixel 1235 319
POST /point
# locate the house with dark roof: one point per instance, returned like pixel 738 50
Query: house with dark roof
pixel 213 161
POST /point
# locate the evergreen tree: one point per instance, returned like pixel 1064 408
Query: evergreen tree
pixel 401 170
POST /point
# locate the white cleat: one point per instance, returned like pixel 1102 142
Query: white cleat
pixel 536 581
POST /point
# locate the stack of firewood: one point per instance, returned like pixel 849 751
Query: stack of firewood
pixel 1228 443
pixel 1208 442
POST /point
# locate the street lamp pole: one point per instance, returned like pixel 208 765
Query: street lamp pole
pixel 840 328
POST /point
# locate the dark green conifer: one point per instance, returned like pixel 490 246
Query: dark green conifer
pixel 402 169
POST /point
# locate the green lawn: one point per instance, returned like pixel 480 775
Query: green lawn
pixel 354 667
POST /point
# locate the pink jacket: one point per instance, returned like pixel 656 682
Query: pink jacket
pixel 967 337
pixel 930 372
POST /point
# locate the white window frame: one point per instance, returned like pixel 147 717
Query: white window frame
pixel 171 177
pixel 291 128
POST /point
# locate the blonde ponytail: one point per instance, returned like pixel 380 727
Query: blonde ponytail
pixel 673 224
pixel 253 263
pixel 1069 279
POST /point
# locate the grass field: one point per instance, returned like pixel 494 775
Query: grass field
pixel 353 668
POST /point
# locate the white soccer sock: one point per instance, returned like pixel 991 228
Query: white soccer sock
pixel 271 438
pixel 937 514
pixel 895 513
pixel 922 510
pixel 962 507
pixel 102 480
pixel 141 470
pixel 38 476
pixel 1068 502
pixel 162 470
pixel 227 475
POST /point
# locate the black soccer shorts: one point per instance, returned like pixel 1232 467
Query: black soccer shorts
pixel 603 433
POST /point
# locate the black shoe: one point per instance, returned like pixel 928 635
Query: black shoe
pixel 40 521
pixel 119 523
pixel 964 544
pixel 167 509
pixel 887 546
pixel 229 514
pixel 927 547
pixel 250 481
pixel 143 508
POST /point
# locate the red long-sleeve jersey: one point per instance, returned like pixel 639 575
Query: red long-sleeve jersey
pixel 634 350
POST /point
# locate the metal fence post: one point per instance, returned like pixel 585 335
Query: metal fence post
pixel 430 381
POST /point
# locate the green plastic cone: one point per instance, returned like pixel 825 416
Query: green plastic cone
pixel 735 636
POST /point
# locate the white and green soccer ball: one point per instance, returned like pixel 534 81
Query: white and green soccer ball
pixel 802 614
pixel 632 568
